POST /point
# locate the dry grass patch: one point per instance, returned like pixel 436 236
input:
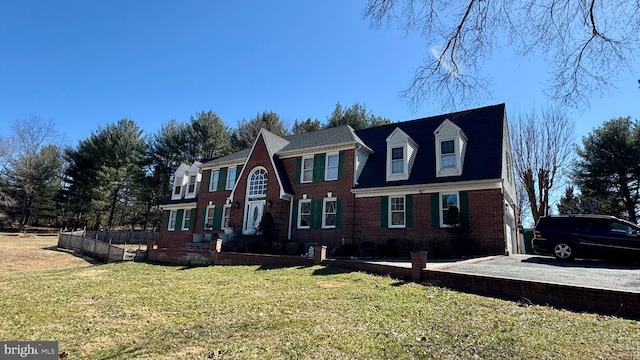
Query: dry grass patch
pixel 30 252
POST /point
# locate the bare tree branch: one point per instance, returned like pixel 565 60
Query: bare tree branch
pixel 586 42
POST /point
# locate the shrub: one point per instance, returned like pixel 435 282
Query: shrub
pixel 276 248
pixel 292 248
pixel 367 249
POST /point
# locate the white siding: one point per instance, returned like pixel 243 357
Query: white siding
pixel 361 159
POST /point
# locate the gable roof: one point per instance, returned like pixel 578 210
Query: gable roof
pixel 483 157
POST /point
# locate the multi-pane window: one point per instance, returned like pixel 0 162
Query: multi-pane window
pixel 172 220
pixel 192 184
pixel 331 171
pixel 304 214
pixel 177 189
pixel 397 210
pixel 397 160
pixel 208 222
pixel 186 219
pixel 446 202
pixel 447 153
pixel 226 214
pixel 258 183
pixel 329 212
pixel 213 182
pixel 231 178
pixel 307 169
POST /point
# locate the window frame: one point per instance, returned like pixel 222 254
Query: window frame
pixel 303 169
pixel 186 219
pixel 448 154
pixel 171 222
pixel 403 211
pixel 213 180
pixel 231 182
pixel 226 216
pixel 263 184
pixel 441 206
pixel 298 221
pixel 401 160
pixel 192 183
pixel 327 167
pixel 210 213
pixel 325 213
pixel 177 189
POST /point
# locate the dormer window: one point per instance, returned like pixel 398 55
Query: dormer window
pixel 192 184
pixel 447 154
pixel 177 189
pixel 450 147
pixel 397 160
pixel 401 154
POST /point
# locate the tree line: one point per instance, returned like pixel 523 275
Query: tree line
pixel 118 176
pixel 600 175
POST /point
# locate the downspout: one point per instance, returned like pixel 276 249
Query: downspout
pixel 289 220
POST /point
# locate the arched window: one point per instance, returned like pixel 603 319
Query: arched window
pixel 258 183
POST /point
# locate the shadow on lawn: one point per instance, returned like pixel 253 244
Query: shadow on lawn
pixel 86 258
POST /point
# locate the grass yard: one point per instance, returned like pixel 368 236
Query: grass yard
pixel 142 311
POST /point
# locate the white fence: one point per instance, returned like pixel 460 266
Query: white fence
pixel 91 247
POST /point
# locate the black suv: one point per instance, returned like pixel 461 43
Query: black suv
pixel 593 236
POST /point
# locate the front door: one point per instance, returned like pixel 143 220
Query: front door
pixel 253 216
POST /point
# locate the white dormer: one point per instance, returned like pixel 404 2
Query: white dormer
pixel 193 180
pixel 186 181
pixel 450 147
pixel 179 182
pixel 401 154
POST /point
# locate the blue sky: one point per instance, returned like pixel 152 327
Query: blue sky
pixel 85 64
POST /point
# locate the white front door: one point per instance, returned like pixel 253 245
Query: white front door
pixel 253 216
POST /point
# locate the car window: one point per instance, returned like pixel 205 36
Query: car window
pixel 620 228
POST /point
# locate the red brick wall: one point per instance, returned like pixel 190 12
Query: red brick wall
pixel 485 221
pixel 279 208
pixel 340 189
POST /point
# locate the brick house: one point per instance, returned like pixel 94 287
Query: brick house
pixel 383 190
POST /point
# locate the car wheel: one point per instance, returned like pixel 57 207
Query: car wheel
pixel 563 251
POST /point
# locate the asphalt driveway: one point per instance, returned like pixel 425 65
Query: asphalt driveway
pixel 593 274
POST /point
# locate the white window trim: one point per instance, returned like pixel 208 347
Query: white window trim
pixel 404 211
pixel 326 166
pixel 171 226
pixel 448 131
pixel 226 209
pixel 195 184
pixel 324 213
pixel 441 208
pixel 266 183
pixel 404 175
pixel 177 190
pixel 307 201
pixel 185 223
pixel 209 213
pixel 213 186
pixel 302 180
pixel 229 186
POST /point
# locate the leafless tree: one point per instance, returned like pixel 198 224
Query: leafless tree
pixel 28 164
pixel 586 42
pixel 542 146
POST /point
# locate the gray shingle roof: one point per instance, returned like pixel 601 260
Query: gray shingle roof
pixel 321 138
pixel 236 156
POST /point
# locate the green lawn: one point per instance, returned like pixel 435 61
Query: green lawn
pixel 142 311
